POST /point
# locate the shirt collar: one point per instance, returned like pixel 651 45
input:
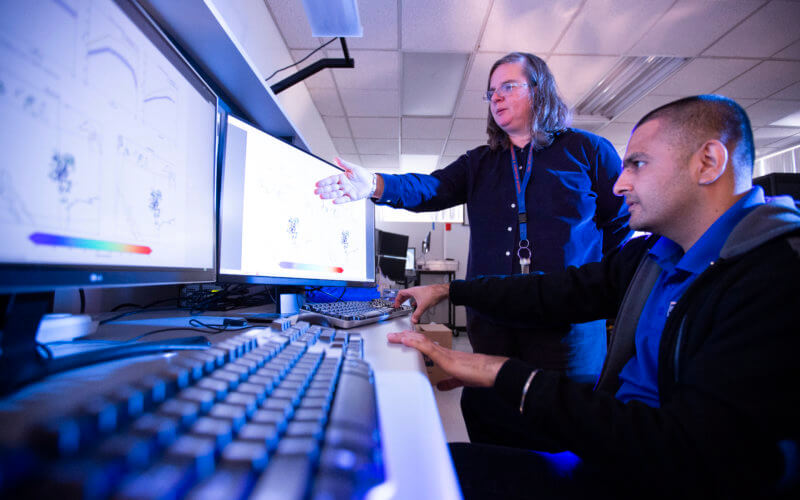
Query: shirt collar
pixel 669 255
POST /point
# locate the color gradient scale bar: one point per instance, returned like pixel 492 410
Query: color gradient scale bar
pixel 69 241
pixel 311 267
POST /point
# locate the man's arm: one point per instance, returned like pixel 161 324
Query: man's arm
pixel 575 295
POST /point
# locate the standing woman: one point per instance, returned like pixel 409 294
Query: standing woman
pixel 539 199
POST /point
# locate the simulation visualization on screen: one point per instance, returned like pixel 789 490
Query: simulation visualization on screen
pixel 108 147
pixel 272 225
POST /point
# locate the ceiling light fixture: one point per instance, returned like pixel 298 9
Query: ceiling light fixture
pixel 630 79
pixel 338 18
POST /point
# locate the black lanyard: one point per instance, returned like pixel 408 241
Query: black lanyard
pixel 524 251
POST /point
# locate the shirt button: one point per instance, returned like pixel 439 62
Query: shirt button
pixel 513 205
pixel 509 228
pixel 508 253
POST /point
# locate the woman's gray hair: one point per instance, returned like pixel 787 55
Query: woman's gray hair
pixel 550 114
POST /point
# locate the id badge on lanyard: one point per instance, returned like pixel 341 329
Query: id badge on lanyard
pixel 524 252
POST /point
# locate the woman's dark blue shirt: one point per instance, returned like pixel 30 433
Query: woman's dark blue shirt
pixel 573 216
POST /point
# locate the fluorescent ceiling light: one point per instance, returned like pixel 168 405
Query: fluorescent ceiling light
pixel 338 18
pixel 792 120
pixel 630 79
pixel 418 164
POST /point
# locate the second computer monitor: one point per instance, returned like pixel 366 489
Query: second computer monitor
pixel 275 230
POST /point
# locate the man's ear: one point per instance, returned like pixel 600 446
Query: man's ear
pixel 712 160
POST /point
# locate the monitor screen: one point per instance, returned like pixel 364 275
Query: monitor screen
pixel 109 141
pixel 392 244
pixel 411 259
pixel 275 230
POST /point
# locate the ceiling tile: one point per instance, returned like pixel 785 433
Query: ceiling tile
pixel 293 23
pixel 769 111
pixel 790 92
pixel 421 146
pixel 787 142
pixel 319 80
pixel 363 102
pixel 344 145
pixel 774 132
pixel 431 82
pixel 379 20
pixel 375 128
pixel 617 133
pixel 765 32
pixel 703 75
pixel 790 52
pixel 692 25
pixel 472 105
pixel 351 158
pixel 763 80
pixel 610 26
pixel 382 163
pixel 443 25
pixel 374 69
pixel 576 75
pixel 327 102
pixel 478 78
pixel 376 146
pixel 641 108
pixel 425 128
pixel 464 128
pixel 589 123
pixel 762 152
pixel 522 25
pixel 337 127
pixel 458 147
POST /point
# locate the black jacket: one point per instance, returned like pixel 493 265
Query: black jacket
pixel 728 363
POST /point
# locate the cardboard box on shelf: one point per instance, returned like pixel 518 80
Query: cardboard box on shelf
pixel 441 335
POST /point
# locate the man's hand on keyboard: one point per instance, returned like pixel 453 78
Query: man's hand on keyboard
pixel 425 297
pixel 352 185
pixel 476 370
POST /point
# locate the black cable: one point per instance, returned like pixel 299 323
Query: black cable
pixel 301 60
pixel 127 304
pixel 82 294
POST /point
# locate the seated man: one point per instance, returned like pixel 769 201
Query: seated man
pixel 698 395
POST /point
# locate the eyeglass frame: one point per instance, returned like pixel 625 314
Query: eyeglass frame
pixel 510 86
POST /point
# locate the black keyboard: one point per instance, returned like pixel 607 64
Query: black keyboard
pixel 283 415
pixel 355 313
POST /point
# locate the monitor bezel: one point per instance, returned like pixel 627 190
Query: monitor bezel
pixel 280 280
pixel 44 277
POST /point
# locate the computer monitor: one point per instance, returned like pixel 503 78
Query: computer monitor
pixel 108 175
pixel 273 228
pixel 411 259
pixel 392 244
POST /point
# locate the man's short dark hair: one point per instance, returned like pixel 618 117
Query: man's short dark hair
pixel 699 118
pixel 550 115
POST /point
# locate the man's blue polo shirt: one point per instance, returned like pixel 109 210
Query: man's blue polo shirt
pixel 639 377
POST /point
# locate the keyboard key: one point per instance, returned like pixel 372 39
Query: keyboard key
pixel 258 391
pixel 286 478
pixel 129 401
pixel 132 450
pixel 298 445
pixel 304 429
pixel 274 417
pixel 220 430
pixel 235 414
pixel 196 451
pixel 317 415
pixel 354 403
pixel 163 480
pixel 218 387
pixel 280 404
pixel 248 402
pixel 230 378
pixel 203 397
pixel 185 411
pixel 266 434
pixel 154 390
pixel 162 428
pixel 227 483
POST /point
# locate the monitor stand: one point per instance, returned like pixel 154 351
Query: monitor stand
pixel 290 300
pixel 20 361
